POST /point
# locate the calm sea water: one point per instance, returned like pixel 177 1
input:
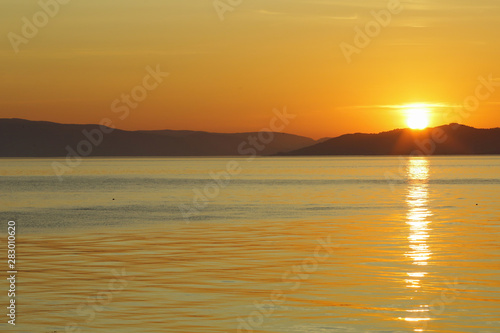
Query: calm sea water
pixel 280 245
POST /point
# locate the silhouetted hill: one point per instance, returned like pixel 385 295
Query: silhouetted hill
pixel 452 139
pixel 24 138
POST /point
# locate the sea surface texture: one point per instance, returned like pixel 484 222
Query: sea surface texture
pixel 269 245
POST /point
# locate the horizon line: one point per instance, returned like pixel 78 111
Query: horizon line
pixel 242 132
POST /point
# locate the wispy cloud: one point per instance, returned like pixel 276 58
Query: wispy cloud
pixel 399 106
pixel 294 15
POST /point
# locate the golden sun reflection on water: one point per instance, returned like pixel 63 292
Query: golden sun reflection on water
pixel 418 220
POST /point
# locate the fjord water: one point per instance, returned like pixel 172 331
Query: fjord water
pixel 333 244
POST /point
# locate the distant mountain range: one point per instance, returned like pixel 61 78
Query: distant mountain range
pixel 24 138
pixel 452 139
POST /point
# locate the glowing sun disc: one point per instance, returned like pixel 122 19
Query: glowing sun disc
pixel 417 118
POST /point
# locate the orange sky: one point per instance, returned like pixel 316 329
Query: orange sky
pixel 228 75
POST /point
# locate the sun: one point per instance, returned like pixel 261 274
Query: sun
pixel 417 117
